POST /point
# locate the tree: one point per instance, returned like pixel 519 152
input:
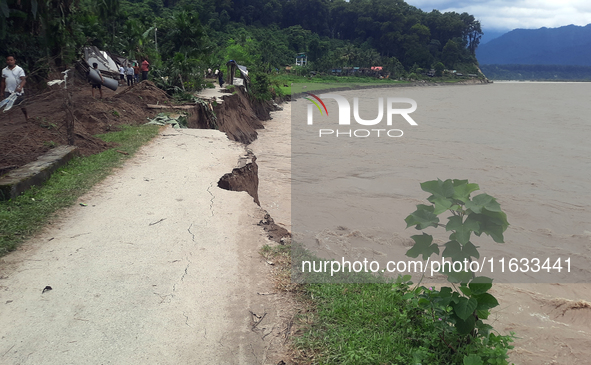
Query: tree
pixel 439 67
pixel 135 37
pixel 472 32
pixel 185 34
pixel 451 54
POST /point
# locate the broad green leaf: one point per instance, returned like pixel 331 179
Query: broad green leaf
pixel 464 289
pixel 422 219
pixel 452 249
pixel 465 307
pixel 499 218
pixel 405 278
pixel 486 301
pixel 480 285
pixel 463 189
pixel 423 302
pixel 496 233
pixel 483 328
pixel 439 188
pixel 147 32
pixel 408 295
pixel 422 247
pixel 462 229
pixel 457 277
pixel 482 313
pixel 465 326
pixel 429 208
pixel 489 226
pixel 445 291
pixel 472 359
pixel 483 201
pixel 441 204
pixel 469 250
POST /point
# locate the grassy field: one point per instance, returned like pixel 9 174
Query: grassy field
pixel 351 82
pixel 321 82
pixel 24 216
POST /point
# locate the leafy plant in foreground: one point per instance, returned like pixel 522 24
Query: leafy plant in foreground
pixel 459 311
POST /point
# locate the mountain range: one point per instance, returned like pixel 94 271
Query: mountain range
pixel 568 45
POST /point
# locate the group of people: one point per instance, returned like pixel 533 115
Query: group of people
pixel 14 79
pixel 131 72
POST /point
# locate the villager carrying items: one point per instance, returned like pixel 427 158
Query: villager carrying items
pixel 13 83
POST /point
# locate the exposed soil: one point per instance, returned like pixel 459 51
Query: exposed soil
pixel 238 116
pixel 243 178
pixel 22 141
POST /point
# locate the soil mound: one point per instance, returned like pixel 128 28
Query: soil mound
pixel 22 140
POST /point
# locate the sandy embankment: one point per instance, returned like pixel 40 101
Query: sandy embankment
pixel 161 266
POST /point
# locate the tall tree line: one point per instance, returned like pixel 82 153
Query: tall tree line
pixel 182 35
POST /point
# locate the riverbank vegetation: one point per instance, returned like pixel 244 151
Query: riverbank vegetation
pixel 186 37
pixel 364 318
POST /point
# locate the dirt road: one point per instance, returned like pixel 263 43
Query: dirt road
pixel 160 267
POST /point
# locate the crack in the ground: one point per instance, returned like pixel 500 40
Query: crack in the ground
pixel 212 198
pixel 191 233
pixel 164 298
pixel 185 274
pixel 186 319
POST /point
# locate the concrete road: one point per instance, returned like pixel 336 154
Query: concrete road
pixel 160 267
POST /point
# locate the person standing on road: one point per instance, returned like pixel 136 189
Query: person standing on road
pixel 121 75
pixel 13 81
pixel 136 72
pixel 94 84
pixel 145 69
pixel 129 73
pixel 221 78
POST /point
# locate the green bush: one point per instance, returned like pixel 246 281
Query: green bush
pixel 439 67
pixel 460 311
pixel 260 87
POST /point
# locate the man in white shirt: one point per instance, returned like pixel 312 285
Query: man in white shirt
pixel 121 75
pixel 13 81
pixel 13 78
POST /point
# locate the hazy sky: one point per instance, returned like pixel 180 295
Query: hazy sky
pixel 511 14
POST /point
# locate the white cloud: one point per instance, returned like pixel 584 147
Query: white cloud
pixel 507 15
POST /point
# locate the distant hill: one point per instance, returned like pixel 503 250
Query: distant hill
pixel 489 35
pixel 568 45
pixel 537 72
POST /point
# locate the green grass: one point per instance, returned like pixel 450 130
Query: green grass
pixel 351 82
pixel 367 320
pixel 320 82
pixel 22 217
pixel 369 324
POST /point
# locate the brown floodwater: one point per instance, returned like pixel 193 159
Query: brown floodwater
pixel 524 143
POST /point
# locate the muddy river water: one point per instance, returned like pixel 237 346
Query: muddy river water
pixel 527 144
